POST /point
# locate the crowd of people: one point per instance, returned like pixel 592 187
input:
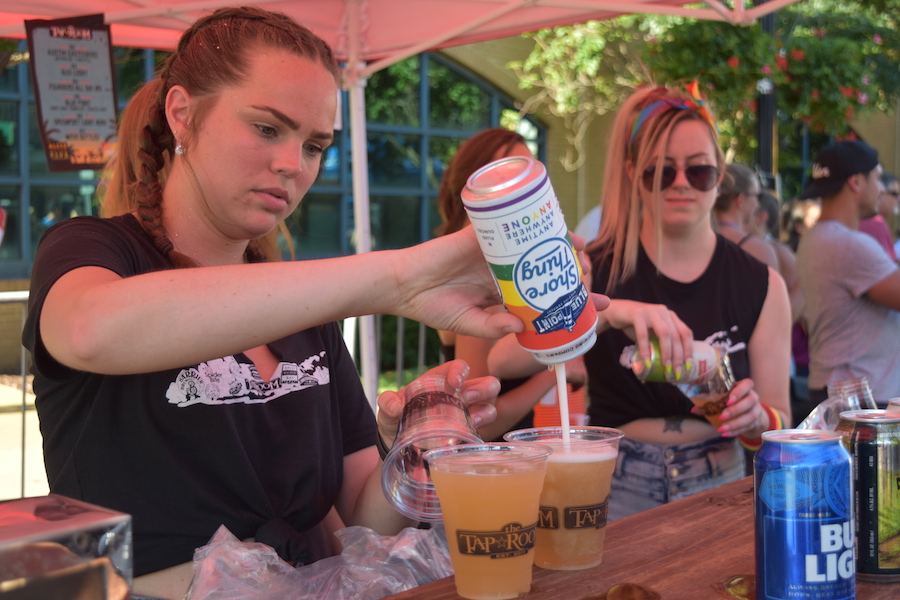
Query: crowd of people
pixel 188 376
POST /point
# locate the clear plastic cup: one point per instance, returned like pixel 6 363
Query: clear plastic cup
pixel 433 416
pixel 575 497
pixel 490 495
pixel 710 393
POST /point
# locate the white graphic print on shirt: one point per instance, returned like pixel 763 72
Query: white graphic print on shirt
pixel 226 381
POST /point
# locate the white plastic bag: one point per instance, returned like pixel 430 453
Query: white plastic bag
pixel 371 567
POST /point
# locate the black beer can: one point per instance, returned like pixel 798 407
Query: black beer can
pixel 873 439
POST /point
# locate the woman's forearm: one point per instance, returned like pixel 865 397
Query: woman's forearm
pixel 92 317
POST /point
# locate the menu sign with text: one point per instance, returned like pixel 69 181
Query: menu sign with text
pixel 74 83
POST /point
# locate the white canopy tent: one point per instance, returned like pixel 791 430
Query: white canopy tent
pixel 370 35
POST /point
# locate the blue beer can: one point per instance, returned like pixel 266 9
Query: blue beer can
pixel 803 507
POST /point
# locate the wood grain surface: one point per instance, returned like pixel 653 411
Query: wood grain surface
pixel 685 550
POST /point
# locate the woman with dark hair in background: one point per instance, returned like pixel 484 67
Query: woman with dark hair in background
pixel 766 224
pixel 736 202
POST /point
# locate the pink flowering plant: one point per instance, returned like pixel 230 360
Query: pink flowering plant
pixel 827 82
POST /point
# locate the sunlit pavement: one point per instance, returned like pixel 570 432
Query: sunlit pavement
pixel 11 447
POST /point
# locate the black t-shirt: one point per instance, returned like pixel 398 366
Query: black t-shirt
pixel 721 307
pixel 187 450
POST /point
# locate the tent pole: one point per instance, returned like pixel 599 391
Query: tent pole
pixel 356 91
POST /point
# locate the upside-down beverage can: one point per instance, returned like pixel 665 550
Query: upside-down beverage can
pixel 702 367
pixel 873 439
pixel 804 516
pixel 523 235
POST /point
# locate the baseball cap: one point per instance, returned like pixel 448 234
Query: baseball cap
pixel 835 164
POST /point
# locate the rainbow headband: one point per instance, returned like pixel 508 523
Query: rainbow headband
pixel 661 106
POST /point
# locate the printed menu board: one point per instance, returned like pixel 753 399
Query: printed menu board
pixel 74 83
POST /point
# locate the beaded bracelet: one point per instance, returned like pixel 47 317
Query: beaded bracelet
pixel 775 422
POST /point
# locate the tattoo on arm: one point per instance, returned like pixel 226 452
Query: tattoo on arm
pixel 673 424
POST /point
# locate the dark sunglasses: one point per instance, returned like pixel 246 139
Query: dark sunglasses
pixel 701 177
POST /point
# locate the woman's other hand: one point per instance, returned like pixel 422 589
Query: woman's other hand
pixel 743 414
pixel 642 321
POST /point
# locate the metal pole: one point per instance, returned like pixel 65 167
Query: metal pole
pixel 21 297
pixel 766 128
pixel 22 359
pixel 366 330
pixel 400 335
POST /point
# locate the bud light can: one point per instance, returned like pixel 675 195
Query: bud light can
pixel 873 439
pixel 804 516
pixel 524 238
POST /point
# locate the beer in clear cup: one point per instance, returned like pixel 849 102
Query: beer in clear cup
pixel 575 497
pixel 489 497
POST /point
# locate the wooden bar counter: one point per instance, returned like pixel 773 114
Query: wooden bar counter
pixel 683 551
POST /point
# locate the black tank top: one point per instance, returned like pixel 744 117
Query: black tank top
pixel 721 307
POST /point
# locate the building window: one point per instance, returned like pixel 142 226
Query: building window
pixel 418 112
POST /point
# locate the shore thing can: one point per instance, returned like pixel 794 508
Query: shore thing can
pixel 873 439
pixel 524 238
pixel 804 516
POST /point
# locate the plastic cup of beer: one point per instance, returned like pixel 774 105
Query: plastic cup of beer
pixel 710 392
pixel 712 405
pixel 575 499
pixel 489 496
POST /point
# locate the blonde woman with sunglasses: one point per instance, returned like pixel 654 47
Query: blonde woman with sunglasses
pixel 671 277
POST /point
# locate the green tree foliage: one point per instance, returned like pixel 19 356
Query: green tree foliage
pixel 581 71
pixel 397 100
pixel 7 49
pixel 829 61
pixel 393 98
pixel 728 61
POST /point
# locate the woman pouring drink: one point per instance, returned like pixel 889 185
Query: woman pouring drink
pixel 182 379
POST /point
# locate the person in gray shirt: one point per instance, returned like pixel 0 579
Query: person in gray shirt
pixel 851 287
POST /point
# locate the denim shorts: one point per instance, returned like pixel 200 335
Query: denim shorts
pixel 649 475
